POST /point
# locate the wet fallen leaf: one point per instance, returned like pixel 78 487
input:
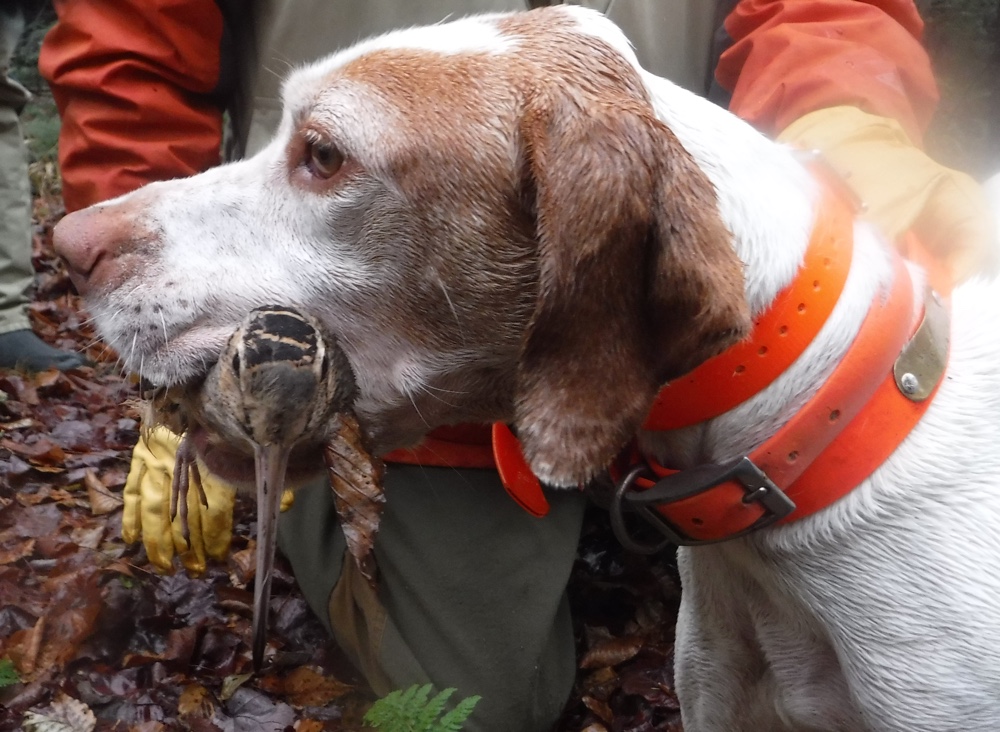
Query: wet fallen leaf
pixel 601 683
pixel 23 648
pixel 309 725
pixel 65 714
pixel 600 708
pixel 120 566
pixel 251 711
pixel 19 388
pixel 19 424
pixel 611 652
pixel 88 537
pixel 102 500
pixel 19 550
pixel 38 521
pixel 196 702
pixel 231 683
pixel 306 687
pixel 356 480
pixel 73 434
pixel 39 451
pixel 45 381
pixel 243 563
pixel 71 619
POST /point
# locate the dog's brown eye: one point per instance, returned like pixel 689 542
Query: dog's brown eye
pixel 323 159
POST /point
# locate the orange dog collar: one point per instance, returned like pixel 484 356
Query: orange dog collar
pixel 853 423
pixel 779 336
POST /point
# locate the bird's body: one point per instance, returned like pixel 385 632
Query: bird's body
pixel 280 383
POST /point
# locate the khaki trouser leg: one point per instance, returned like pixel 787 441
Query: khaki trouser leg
pixel 471 592
pixel 16 273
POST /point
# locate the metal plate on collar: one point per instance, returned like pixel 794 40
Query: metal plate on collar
pixel 922 362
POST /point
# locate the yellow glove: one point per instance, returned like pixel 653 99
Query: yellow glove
pixel 147 508
pixel 902 188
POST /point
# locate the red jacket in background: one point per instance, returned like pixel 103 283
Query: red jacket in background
pixel 791 57
pixel 134 83
pixel 135 80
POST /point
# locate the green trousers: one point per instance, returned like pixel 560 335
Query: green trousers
pixel 16 273
pixel 471 591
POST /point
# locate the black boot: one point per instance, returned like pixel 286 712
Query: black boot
pixel 23 349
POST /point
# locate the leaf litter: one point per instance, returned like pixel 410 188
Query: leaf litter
pixel 100 641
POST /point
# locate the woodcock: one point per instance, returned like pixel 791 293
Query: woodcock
pixel 282 383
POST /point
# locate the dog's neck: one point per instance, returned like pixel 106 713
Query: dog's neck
pixel 769 201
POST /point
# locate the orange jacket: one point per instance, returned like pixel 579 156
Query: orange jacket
pixel 136 80
pixel 791 57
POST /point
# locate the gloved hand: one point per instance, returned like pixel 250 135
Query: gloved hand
pixel 902 188
pixel 147 508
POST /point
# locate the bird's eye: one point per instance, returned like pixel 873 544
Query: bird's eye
pixel 323 158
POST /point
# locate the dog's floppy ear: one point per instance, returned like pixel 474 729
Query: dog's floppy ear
pixel 638 280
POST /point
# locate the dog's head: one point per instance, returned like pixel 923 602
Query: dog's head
pixel 487 213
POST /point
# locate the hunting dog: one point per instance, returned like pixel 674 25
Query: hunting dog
pixel 509 210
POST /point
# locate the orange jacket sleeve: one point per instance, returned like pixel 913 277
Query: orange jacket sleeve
pixel 791 57
pixel 133 81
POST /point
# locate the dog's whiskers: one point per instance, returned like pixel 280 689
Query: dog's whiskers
pixel 131 354
pixel 409 395
pixel 451 305
pixel 426 389
pixel 445 391
pixel 289 66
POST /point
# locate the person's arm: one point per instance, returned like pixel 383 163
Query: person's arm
pixel 792 57
pixel 851 79
pixel 135 84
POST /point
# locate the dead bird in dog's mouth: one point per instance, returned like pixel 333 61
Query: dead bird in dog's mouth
pixel 280 395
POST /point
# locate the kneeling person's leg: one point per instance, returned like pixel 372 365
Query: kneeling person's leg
pixel 471 591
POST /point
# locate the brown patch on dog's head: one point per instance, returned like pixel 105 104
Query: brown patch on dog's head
pixel 638 280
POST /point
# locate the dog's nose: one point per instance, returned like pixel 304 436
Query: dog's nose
pixel 92 241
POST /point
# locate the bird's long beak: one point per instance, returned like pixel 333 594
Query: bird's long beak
pixel 271 461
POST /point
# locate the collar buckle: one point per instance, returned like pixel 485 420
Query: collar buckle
pixel 757 487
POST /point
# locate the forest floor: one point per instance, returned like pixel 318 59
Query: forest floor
pixel 90 633
pixel 87 628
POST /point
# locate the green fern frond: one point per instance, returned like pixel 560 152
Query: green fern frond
pixel 414 710
pixel 389 711
pixel 425 719
pixel 453 720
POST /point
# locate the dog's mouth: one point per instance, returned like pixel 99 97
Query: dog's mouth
pixel 173 361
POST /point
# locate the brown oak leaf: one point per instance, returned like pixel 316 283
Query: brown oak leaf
pixel 307 687
pixel 102 500
pixel 611 652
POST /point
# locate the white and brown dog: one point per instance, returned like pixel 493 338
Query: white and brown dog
pixel 509 211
